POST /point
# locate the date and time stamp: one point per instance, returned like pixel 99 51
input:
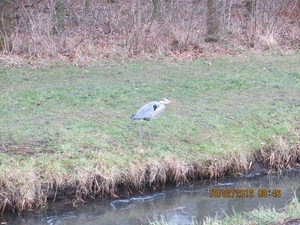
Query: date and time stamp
pixel 244 193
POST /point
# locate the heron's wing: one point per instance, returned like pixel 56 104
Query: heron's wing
pixel 146 111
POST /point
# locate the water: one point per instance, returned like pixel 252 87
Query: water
pixel 179 205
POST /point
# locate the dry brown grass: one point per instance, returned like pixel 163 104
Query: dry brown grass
pixel 279 154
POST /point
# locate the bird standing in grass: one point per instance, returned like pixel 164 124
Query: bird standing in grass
pixel 150 111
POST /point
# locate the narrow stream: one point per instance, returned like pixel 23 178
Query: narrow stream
pixel 179 205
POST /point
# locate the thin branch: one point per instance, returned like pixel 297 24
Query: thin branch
pixel 72 47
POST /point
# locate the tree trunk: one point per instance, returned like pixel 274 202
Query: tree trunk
pixel 59 6
pixel 213 21
pixel 86 7
pixel 155 9
pixel 249 6
pixel 5 25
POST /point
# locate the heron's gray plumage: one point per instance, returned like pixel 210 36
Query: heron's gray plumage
pixel 150 111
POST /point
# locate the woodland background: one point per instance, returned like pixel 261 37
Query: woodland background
pixel 83 29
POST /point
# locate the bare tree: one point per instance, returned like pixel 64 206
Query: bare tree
pixel 213 21
pixel 155 9
pixel 87 7
pixel 59 23
pixel 109 28
pixel 59 6
pixel 249 6
pixel 5 25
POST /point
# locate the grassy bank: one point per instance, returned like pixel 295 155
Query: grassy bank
pixel 288 215
pixel 65 131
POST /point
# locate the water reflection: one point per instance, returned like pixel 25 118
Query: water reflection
pixel 178 206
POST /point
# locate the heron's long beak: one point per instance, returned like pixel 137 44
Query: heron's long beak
pixel 171 102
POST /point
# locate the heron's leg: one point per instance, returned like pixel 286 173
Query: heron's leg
pixel 141 134
pixel 149 129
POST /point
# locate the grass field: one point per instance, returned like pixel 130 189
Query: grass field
pixel 63 126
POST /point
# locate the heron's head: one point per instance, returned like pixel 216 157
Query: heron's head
pixel 166 101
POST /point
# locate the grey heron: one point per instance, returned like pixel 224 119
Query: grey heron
pixel 150 111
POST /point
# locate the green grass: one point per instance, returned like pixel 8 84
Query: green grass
pixel 71 125
pixel 263 215
pixel 289 214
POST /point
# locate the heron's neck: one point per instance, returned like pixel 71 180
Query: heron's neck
pixel 161 104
